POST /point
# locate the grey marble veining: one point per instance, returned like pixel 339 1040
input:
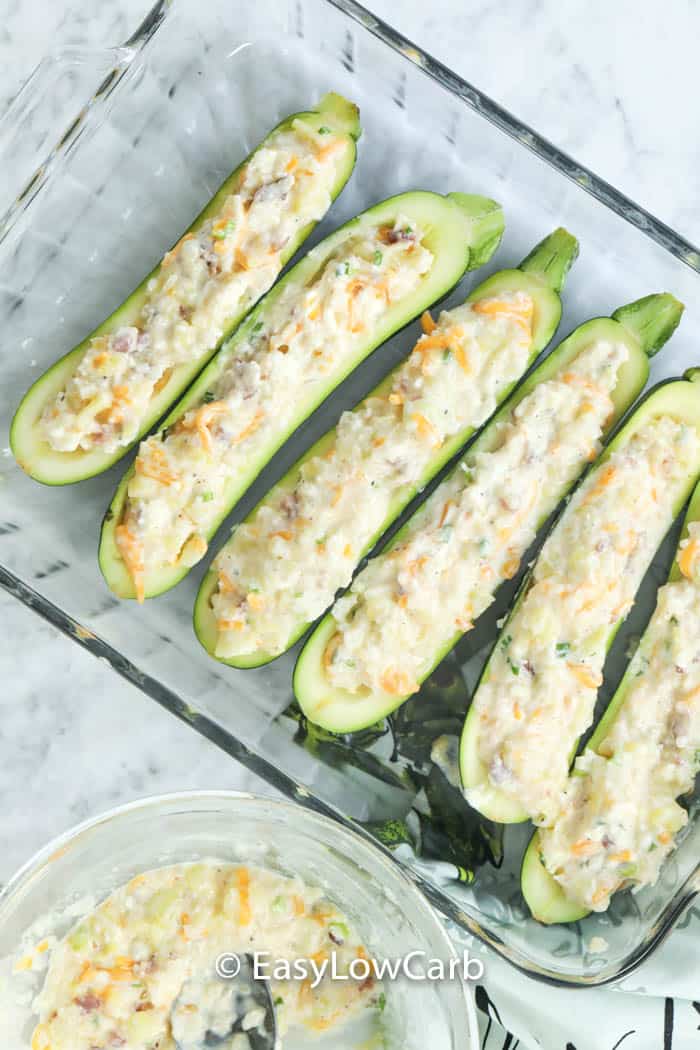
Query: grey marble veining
pixel 609 83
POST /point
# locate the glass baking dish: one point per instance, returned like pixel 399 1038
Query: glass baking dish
pixel 164 118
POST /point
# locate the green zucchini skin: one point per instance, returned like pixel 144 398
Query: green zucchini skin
pixel 679 399
pixel 342 712
pixel 35 455
pixel 559 247
pixel 544 896
pixel 452 225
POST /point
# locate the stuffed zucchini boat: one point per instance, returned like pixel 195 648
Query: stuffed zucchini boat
pixel 88 409
pixel 345 298
pixel 409 606
pixel 620 816
pixel 284 564
pixel 538 691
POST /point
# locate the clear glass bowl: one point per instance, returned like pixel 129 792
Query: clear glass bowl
pixel 91 860
pixel 165 117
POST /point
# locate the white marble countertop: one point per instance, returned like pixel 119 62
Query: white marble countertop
pixel 615 91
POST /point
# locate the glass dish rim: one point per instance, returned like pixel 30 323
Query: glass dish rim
pixel 294 791
pixel 46 853
pixel 289 787
pixel 607 194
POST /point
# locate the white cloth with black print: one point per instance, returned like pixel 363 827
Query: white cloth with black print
pixel 657 1007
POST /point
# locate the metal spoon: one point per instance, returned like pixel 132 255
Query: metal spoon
pixel 210 1010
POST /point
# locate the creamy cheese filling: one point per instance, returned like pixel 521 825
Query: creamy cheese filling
pixel 311 330
pixel 283 567
pixel 619 814
pixel 135 972
pixel 538 695
pixel 206 279
pixel 470 535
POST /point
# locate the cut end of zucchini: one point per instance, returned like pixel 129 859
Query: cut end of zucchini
pixel 203 618
pixel 33 453
pixel 206 630
pixel 491 802
pixel 652 320
pixel 552 258
pixel 692 375
pixel 112 565
pixel 543 895
pixel 341 113
pixel 486 225
pixel 336 710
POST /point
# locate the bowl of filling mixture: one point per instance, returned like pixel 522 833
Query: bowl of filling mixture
pixel 126 931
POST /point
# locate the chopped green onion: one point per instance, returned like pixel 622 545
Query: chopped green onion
pixel 257 327
pixel 381 1002
pixel 278 1001
pixel 562 648
pixel 377 259
pixel 343 269
pixel 79 938
pixel 279 904
pixel 506 640
pixel 324 130
pixel 446 354
pixel 208 496
pixel 208 398
pixel 220 235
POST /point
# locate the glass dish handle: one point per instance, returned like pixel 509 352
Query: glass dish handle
pixel 32 142
pixel 43 121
